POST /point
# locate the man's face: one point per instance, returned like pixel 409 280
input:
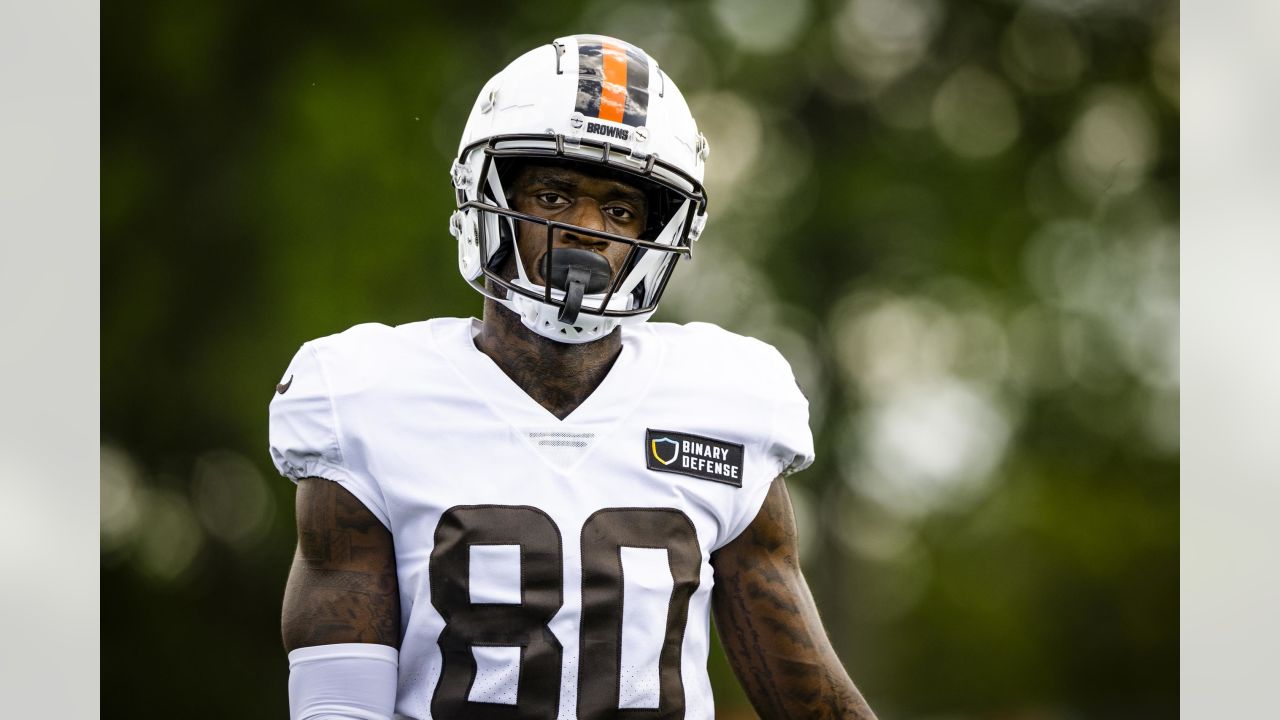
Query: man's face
pixel 574 197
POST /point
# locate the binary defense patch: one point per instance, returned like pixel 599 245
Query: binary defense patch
pixel 693 455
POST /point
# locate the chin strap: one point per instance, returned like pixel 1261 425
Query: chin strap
pixel 577 286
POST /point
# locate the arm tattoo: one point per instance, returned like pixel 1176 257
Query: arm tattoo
pixel 342 587
pixel 769 626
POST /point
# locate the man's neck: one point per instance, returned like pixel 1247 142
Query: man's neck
pixel 558 376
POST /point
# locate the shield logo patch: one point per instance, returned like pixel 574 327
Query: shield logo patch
pixel 665 450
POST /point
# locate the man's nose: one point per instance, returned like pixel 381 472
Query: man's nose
pixel 586 214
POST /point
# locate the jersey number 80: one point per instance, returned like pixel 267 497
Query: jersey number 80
pixel 524 625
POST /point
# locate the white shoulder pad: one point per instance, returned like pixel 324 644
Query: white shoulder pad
pixel 305 433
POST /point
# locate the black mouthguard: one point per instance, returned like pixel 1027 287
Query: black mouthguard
pixel 577 272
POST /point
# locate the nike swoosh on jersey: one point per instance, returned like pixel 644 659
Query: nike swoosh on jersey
pixel 283 387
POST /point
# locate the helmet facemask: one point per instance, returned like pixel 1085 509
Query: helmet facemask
pixel 579 303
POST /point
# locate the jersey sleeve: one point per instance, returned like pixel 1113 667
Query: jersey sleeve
pixel 787 449
pixel 790 448
pixel 305 433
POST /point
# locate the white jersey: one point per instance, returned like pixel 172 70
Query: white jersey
pixel 548 568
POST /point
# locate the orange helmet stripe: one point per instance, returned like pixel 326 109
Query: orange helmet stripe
pixel 613 91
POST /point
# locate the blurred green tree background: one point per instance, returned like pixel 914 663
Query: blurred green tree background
pixel 959 222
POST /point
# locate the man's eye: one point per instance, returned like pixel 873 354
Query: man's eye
pixel 620 213
pixel 551 198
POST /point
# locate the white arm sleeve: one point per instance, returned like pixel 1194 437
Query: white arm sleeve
pixel 346 681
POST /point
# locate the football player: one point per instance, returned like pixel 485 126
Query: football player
pixel 534 515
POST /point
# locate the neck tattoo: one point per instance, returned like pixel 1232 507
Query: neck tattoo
pixel 558 376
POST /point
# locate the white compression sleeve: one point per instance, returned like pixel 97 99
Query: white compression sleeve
pixel 347 681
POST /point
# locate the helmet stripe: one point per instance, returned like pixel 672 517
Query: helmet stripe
pixel 590 77
pixel 613 93
pixel 613 81
pixel 637 87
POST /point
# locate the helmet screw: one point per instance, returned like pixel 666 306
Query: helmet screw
pixel 642 134
pixel 576 120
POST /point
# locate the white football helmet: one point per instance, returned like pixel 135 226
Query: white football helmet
pixel 582 99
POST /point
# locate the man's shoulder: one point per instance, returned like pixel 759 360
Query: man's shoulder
pixel 705 343
pixel 372 334
pixel 378 342
pixel 704 356
pixel 364 354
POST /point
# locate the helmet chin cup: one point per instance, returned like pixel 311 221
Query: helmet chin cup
pixel 544 319
pixel 576 272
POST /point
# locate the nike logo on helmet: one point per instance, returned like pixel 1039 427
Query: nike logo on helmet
pixel 283 387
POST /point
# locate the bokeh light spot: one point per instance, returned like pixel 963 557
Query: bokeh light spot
pixel 878 41
pixel 928 371
pixel 761 26
pixel 975 114
pixel 731 122
pixel 169 537
pixel 1111 146
pixel 929 441
pixel 231 498
pixel 120 497
pixel 1041 53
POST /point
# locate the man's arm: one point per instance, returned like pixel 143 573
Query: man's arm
pixel 342 587
pixel 769 626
